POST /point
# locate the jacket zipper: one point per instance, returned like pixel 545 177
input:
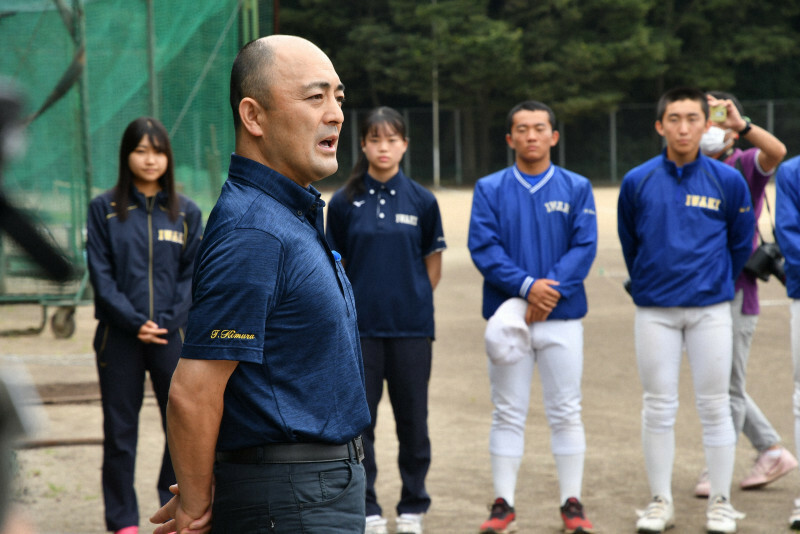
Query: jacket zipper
pixel 150 202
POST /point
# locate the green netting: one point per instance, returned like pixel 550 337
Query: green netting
pixel 193 44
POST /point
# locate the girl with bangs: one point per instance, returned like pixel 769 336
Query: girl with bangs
pixel 388 231
pixel 142 237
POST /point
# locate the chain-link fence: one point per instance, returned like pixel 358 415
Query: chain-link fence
pixel 602 147
pixel 86 69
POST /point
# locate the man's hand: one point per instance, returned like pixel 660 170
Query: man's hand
pixel 534 314
pixel 149 332
pixel 542 298
pixel 165 517
pixel 733 119
pixel 772 150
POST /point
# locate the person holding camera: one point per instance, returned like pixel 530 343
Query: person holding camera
pixel 757 165
pixel 787 230
pixel 685 223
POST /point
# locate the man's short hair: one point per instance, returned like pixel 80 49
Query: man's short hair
pixel 681 93
pixel 530 105
pixel 251 76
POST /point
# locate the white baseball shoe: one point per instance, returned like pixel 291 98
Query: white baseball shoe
pixel 409 524
pixel 721 516
pixel 375 524
pixel 657 517
pixel 794 519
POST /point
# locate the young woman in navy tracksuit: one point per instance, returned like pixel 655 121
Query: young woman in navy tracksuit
pixel 389 232
pixel 142 237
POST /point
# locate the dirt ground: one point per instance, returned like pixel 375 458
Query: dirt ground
pixel 58 487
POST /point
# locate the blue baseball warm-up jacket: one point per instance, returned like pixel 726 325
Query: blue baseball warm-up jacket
pixel 520 231
pixel 686 232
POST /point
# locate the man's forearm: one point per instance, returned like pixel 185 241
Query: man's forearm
pixel 192 444
pixel 194 412
pixel 772 149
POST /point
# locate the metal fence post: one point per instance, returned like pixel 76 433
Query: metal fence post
pixel 83 94
pixel 355 144
pixel 770 116
pixel 151 59
pixel 457 137
pixel 407 155
pixel 612 136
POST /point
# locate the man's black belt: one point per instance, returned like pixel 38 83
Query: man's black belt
pixel 295 453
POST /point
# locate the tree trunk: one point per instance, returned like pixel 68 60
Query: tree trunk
pixel 469 145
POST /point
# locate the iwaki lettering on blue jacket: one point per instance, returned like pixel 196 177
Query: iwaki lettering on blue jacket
pixel 702 201
pixel 556 205
pixel 170 235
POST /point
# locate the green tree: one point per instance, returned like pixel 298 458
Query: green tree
pixel 720 43
pixel 329 24
pixel 386 50
pixel 477 59
pixel 583 56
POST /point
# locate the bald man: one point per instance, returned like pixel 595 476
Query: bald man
pixel 267 403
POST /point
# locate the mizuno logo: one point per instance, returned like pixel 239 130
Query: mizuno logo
pixel 358 203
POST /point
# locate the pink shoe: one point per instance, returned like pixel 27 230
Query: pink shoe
pixel 128 530
pixel 703 487
pixel 768 469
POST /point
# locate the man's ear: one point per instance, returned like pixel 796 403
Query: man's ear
pixel 252 116
pixel 660 128
pixel 555 138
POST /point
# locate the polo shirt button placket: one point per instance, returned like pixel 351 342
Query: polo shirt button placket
pixel 381 202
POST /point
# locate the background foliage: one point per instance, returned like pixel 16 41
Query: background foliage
pixel 583 58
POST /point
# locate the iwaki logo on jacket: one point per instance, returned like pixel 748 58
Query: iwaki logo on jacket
pixel 402 218
pixel 556 205
pixel 171 236
pixel 702 201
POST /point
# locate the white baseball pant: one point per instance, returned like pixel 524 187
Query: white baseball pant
pixel 660 336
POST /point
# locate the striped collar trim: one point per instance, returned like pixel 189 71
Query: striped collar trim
pixel 541 183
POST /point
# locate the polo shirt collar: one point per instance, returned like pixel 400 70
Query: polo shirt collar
pixel 303 202
pixel 392 183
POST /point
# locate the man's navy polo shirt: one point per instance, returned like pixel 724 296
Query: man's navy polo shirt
pixel 269 294
pixel 384 236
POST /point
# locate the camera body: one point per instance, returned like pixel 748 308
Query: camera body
pixel 766 260
pixel 718 113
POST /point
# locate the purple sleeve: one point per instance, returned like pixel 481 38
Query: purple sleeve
pixel 746 161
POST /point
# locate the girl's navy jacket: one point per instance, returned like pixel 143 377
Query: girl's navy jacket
pixel 133 263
